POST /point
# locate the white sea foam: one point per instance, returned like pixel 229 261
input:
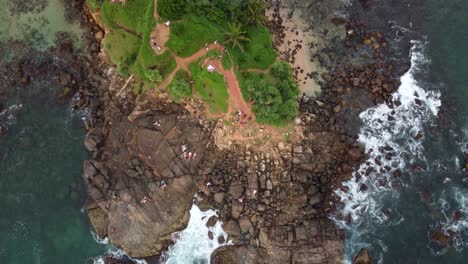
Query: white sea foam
pixel 192 245
pixel 389 130
pixel 8 115
pixel 117 253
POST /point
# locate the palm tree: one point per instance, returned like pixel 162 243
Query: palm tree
pixel 235 36
pixel 256 13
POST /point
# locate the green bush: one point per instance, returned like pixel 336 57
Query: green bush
pixel 171 9
pixel 153 75
pixel 180 86
pixel 274 99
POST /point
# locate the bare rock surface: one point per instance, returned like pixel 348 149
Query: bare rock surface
pixel 141 181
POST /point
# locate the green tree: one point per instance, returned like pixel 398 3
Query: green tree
pixel 236 36
pixel 281 70
pixel 256 12
pixel 171 9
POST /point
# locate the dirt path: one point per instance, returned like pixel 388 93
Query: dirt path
pixel 234 91
pixel 160 34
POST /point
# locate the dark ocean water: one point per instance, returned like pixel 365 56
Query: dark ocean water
pixel 395 217
pixel 41 188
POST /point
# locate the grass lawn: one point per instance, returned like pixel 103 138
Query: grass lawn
pixel 180 86
pixel 258 52
pixel 191 33
pixel 121 46
pixel 134 15
pixel 211 87
pixel 128 43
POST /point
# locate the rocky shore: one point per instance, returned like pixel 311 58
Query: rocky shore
pixel 150 157
pixel 274 198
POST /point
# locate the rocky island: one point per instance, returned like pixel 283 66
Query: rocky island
pixel 270 174
pixel 247 107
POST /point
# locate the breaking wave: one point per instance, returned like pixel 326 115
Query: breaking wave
pixel 392 136
pixel 193 244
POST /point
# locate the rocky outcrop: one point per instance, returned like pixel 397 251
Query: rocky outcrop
pixel 239 255
pixel 273 199
pixel 141 179
pixel 362 257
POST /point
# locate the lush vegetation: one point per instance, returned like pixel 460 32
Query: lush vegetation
pixel 237 24
pixel 211 87
pixel 192 33
pixel 180 86
pixel 258 51
pixel 94 5
pixel 171 9
pixel 128 40
pixel 226 62
pixel 274 95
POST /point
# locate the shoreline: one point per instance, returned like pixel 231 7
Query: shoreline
pixel 312 114
pixel 320 154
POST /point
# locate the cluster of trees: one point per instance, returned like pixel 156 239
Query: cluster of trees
pixel 216 10
pixel 180 86
pixel 240 13
pixel 274 102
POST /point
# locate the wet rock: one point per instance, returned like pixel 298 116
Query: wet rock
pixel 355 154
pixel 212 221
pixel 362 257
pixel 93 139
pixel 439 237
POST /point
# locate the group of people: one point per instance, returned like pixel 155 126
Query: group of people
pixel 187 155
pixel 153 40
pixel 242 118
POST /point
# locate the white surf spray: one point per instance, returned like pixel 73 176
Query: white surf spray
pixel 193 245
pixel 392 139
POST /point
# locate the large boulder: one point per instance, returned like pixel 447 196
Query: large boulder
pixel 239 255
pixel 362 257
pixel 141 180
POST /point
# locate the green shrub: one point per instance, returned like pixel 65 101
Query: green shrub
pixel 281 70
pixel 153 75
pixel 171 9
pixel 180 86
pixel 274 99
